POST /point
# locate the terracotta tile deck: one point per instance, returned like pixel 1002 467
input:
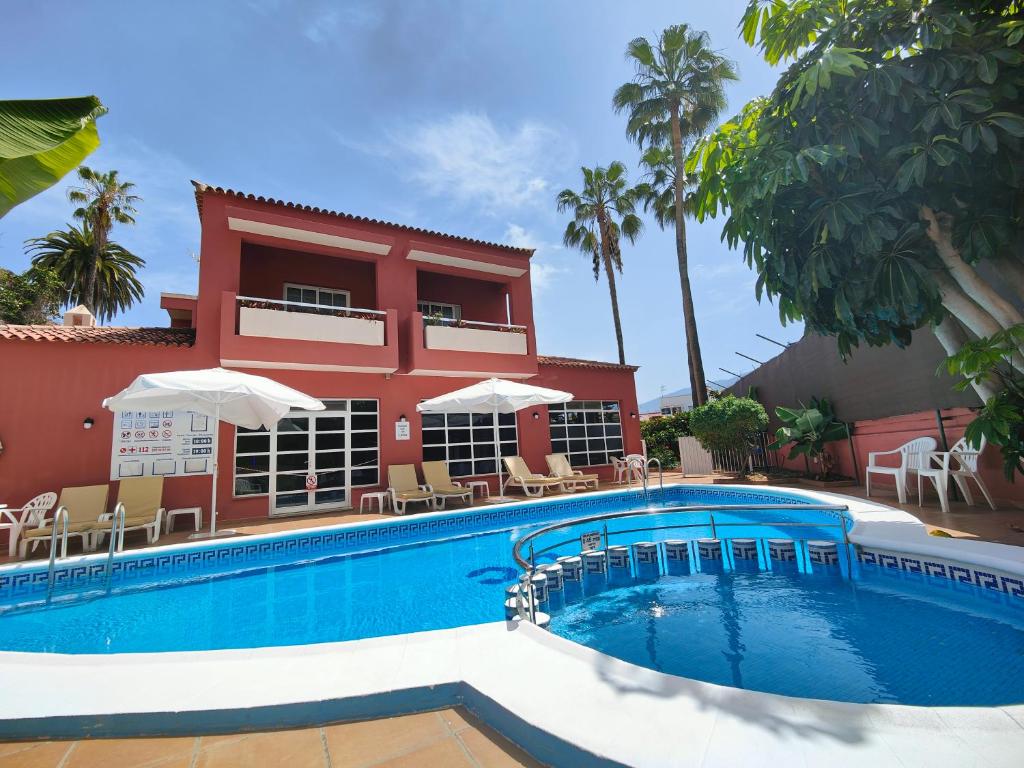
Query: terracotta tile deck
pixel 451 738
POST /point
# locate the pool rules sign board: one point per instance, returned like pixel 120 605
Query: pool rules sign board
pixel 161 443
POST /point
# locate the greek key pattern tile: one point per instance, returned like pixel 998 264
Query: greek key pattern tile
pixel 26 584
pixel 962 573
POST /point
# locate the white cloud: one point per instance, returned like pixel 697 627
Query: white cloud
pixel 325 25
pixel 543 272
pixel 468 158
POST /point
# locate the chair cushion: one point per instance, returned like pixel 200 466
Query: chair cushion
pixel 35 533
pixel 414 495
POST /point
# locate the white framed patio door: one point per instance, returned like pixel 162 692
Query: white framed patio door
pixel 310 462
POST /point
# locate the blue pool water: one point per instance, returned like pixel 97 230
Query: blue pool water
pixel 883 637
pixel 819 634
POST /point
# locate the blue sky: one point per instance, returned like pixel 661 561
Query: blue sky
pixel 466 117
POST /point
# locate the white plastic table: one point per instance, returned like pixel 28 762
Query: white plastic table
pixel 485 489
pixel 196 512
pixel 383 501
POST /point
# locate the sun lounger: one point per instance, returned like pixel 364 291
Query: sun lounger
pixel 404 488
pixel 520 474
pixel 85 506
pixel 141 497
pixel 439 482
pixel 559 466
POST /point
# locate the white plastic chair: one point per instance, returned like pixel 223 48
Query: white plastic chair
pixel 965 469
pixel 912 459
pixel 32 515
pixel 936 469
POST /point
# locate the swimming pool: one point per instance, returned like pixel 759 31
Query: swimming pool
pixel 451 573
pixel 884 637
pixel 930 641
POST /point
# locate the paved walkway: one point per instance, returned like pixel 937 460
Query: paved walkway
pixel 451 738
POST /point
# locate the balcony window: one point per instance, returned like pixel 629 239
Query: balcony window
pixel 466 441
pixel 439 309
pixel 587 431
pixel 311 294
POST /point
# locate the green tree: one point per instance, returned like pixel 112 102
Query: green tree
pixel 41 140
pixel 676 95
pixel 103 201
pixel 603 212
pixel 31 298
pixel 662 433
pixel 883 170
pixel 728 423
pixel 71 254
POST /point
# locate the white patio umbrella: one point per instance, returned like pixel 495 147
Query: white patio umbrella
pixel 494 396
pixel 237 398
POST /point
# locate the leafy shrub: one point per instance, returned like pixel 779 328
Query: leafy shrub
pixel 808 430
pixel 727 423
pixel 662 435
pixel 1001 419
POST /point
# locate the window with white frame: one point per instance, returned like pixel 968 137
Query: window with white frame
pixel 466 441
pixel 589 432
pixel 311 294
pixel 329 441
pixel 439 308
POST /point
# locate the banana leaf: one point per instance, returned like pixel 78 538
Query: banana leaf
pixel 41 140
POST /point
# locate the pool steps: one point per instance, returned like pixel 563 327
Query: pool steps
pixel 554 577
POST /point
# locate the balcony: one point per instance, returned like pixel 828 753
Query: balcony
pixel 440 347
pixel 471 336
pixel 266 333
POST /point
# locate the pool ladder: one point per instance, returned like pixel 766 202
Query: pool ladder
pixel 644 465
pixel 60 517
pixel 116 538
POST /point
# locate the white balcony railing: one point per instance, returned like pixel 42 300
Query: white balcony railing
pixel 474 336
pixel 272 318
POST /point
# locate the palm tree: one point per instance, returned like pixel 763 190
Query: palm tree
pixel 72 256
pixel 103 201
pixel 602 213
pixel 675 96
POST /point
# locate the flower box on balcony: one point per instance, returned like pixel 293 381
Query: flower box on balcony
pixel 275 324
pixel 474 340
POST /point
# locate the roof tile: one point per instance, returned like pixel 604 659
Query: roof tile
pixel 573 362
pixel 202 188
pixel 150 337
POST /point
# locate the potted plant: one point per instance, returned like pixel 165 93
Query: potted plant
pixel 808 431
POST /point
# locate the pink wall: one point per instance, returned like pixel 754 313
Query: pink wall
pixel 46 448
pixel 481 300
pixel 890 433
pixel 265 270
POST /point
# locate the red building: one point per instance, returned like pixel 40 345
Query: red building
pixel 398 314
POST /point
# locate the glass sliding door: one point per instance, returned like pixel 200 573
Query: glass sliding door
pixel 310 461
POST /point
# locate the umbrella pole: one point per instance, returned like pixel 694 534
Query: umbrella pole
pixel 216 447
pixel 497 453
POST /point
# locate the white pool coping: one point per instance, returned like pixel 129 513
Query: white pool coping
pixel 608 708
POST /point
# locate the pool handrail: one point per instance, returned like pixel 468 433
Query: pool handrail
pixel 528 565
pixel 526 606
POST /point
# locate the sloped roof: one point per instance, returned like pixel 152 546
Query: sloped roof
pixel 202 188
pixel 573 362
pixel 149 337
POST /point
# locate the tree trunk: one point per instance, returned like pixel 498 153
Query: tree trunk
pixel 959 304
pixel 940 234
pixel 610 274
pixel 698 383
pixel 952 337
pixel 1011 269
